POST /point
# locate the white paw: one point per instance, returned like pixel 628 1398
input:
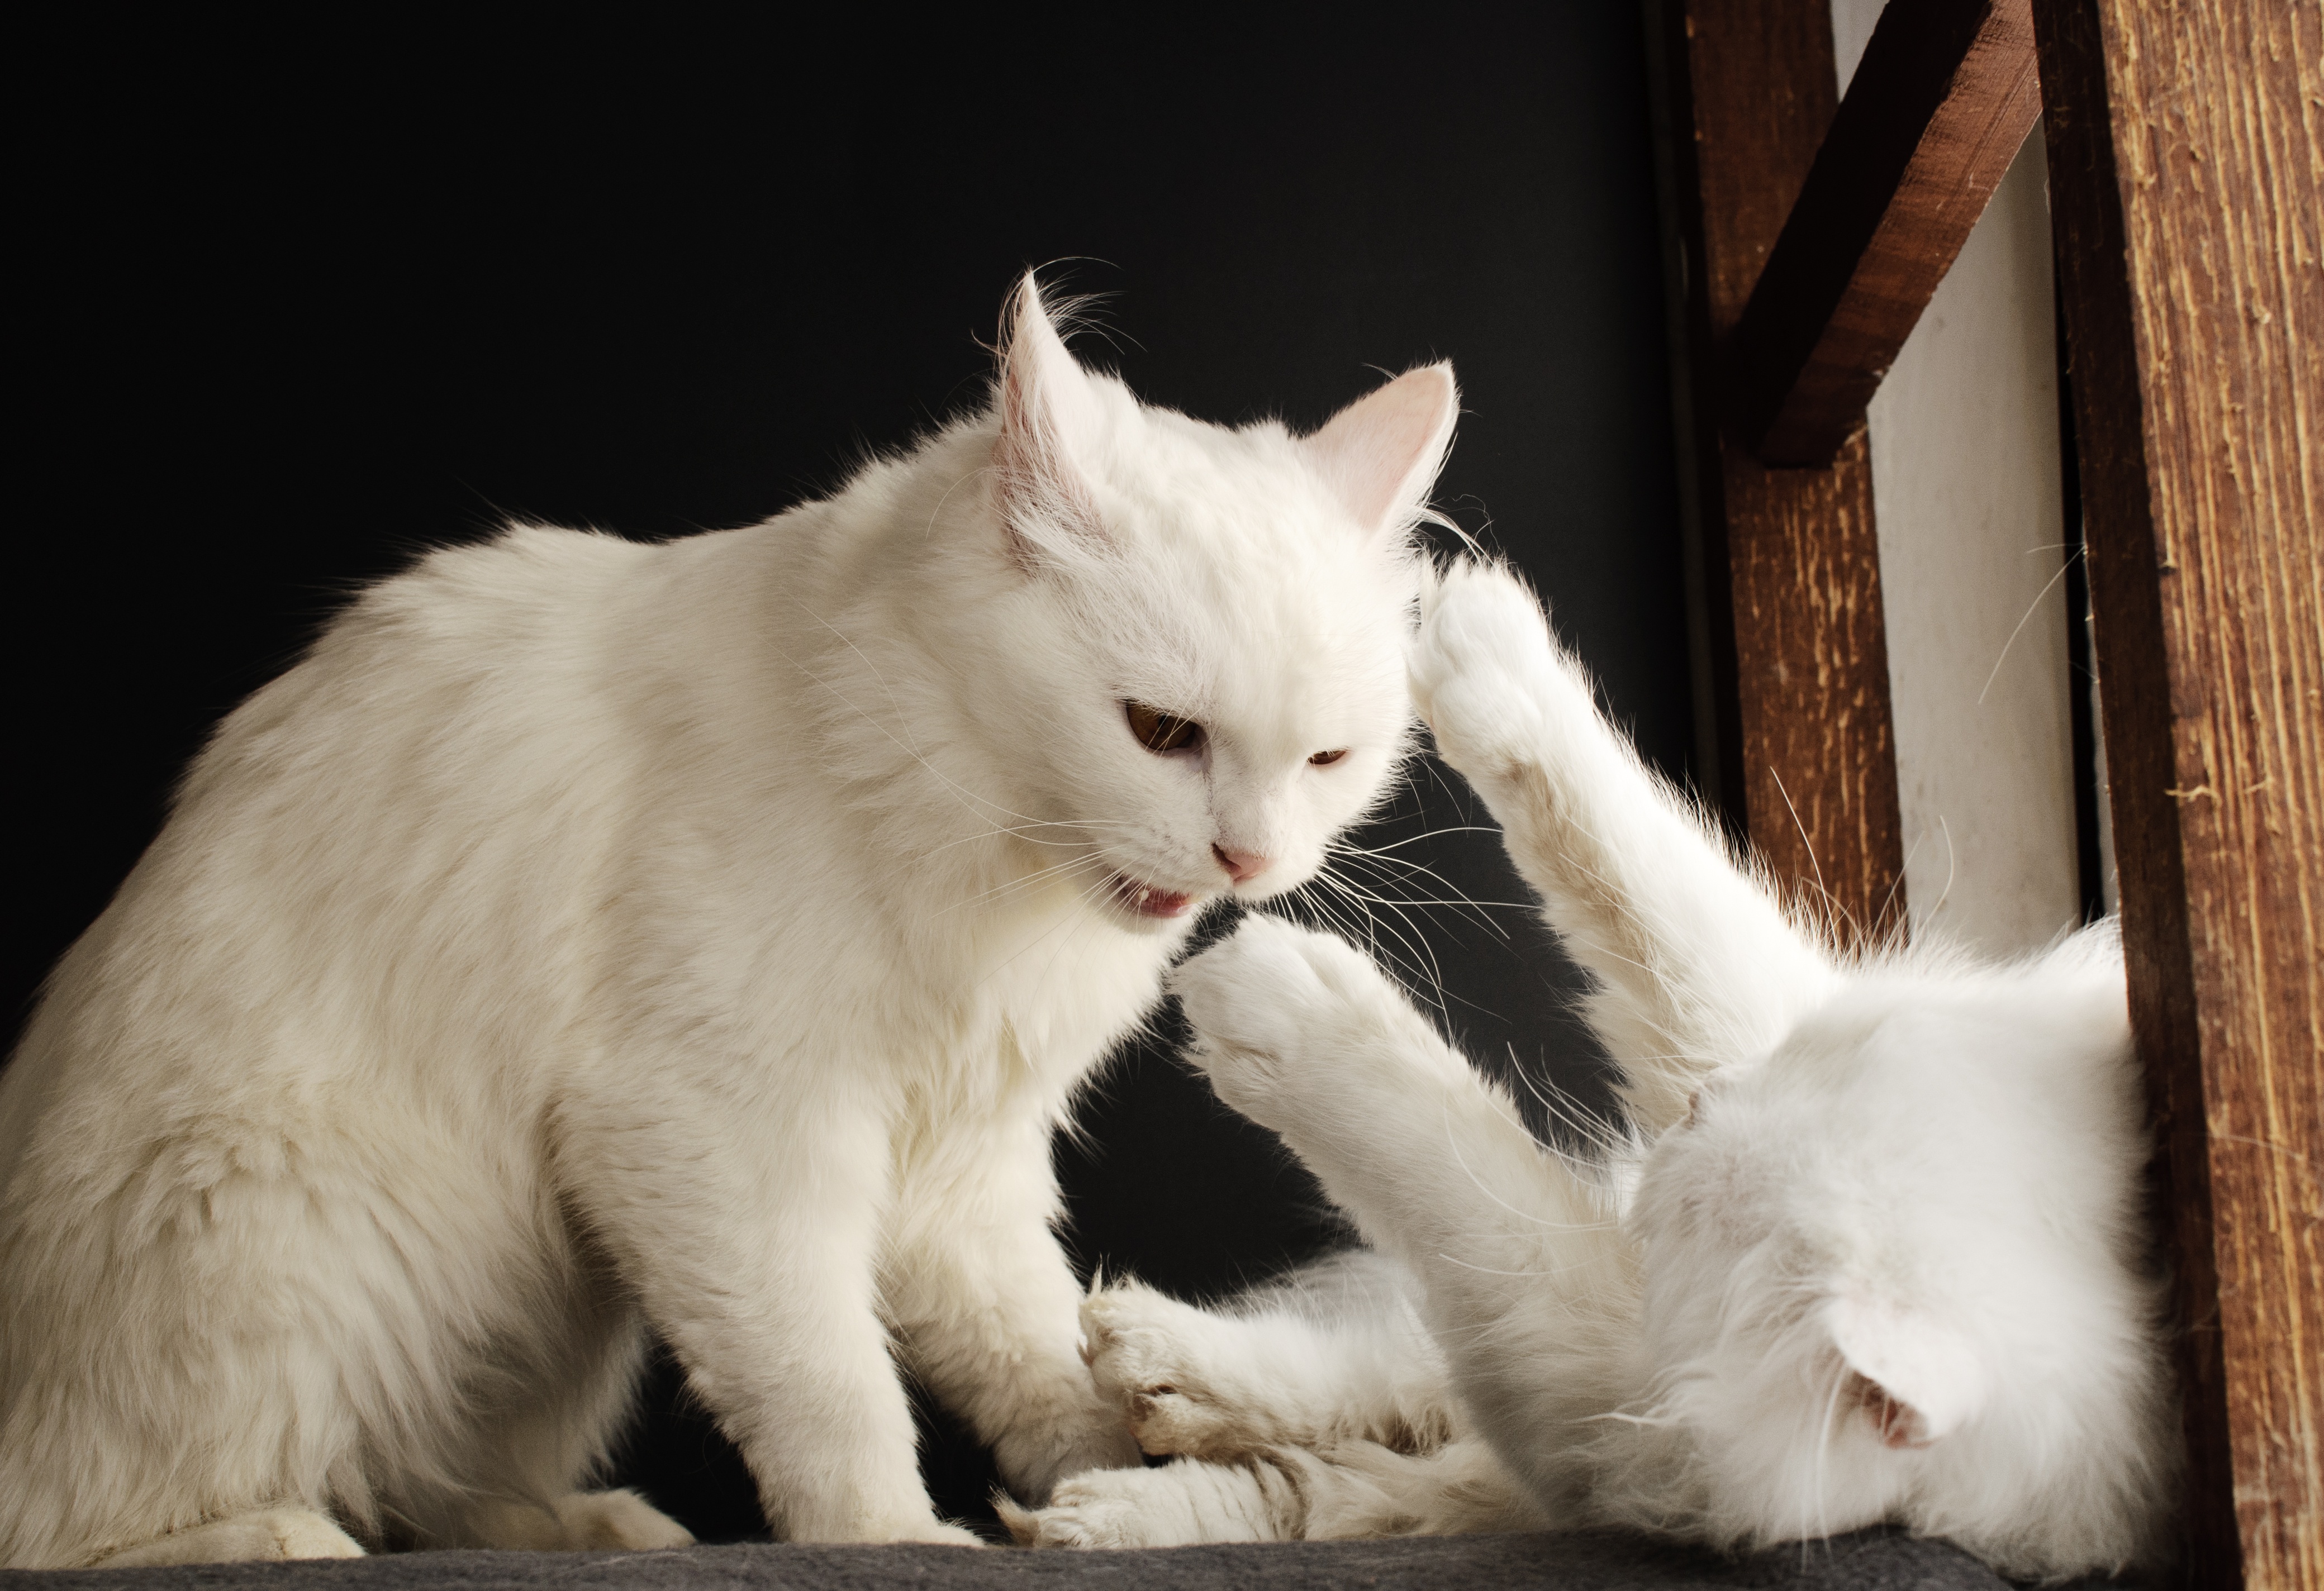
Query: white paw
pixel 1274 1006
pixel 1104 1508
pixel 301 1533
pixel 1147 1354
pixel 1485 673
pixel 266 1534
pixel 617 1522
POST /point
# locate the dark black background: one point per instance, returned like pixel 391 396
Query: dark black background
pixel 302 303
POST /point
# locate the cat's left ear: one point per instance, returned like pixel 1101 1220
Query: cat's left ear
pixel 1049 424
pixel 1381 452
pixel 1914 1377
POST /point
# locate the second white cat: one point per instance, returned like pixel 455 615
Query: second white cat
pixel 1874 1254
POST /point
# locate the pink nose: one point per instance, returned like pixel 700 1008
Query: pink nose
pixel 1241 866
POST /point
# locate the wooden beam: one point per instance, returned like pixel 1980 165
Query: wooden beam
pixel 2184 186
pixel 1937 108
pixel 1783 567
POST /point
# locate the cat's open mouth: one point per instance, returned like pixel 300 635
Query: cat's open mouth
pixel 1148 900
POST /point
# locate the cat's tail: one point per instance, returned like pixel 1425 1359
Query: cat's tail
pixel 1697 963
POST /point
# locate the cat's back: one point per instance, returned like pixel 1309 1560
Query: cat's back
pixel 433 717
pixel 467 640
pixel 420 796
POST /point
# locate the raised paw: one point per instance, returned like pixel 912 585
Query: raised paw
pixel 1274 1007
pixel 1485 673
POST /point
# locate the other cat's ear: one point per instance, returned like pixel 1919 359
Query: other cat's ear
pixel 1382 451
pixel 1914 1377
pixel 1049 420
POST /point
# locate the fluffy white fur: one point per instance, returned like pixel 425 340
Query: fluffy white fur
pixel 1874 1252
pixel 590 938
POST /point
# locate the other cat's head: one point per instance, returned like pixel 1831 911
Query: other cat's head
pixel 1200 653
pixel 1896 1268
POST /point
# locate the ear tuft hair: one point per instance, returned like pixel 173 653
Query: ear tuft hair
pixel 1049 420
pixel 1381 452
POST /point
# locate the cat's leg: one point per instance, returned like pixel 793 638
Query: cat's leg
pixel 1206 1384
pixel 985 1305
pixel 1699 964
pixel 1527 1287
pixel 752 1244
pixel 218 1339
pixel 1354 1489
pixel 1362 1489
pixel 1302 1033
pixel 262 1534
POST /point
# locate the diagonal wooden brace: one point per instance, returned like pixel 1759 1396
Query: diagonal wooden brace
pixel 1940 106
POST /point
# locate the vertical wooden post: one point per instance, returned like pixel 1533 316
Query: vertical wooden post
pixel 2184 177
pixel 1787 571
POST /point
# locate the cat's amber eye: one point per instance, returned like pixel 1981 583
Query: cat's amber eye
pixel 1326 759
pixel 1162 731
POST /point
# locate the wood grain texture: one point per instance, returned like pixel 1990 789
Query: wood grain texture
pixel 1786 565
pixel 1938 106
pixel 2184 157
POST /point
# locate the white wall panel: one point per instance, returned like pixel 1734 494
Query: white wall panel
pixel 1965 479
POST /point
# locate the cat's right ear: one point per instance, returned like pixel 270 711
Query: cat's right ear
pixel 1049 423
pixel 1914 1379
pixel 1381 452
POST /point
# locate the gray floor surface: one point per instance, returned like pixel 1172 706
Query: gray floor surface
pixel 1867 1562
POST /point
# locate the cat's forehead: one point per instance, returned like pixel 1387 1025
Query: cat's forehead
pixel 1168 479
pixel 1233 575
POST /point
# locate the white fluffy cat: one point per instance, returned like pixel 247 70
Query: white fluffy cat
pixel 591 938
pixel 1874 1252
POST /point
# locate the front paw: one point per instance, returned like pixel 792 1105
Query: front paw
pixel 1104 1508
pixel 618 1522
pixel 1273 1008
pixel 1484 671
pixel 1176 1506
pixel 1149 1356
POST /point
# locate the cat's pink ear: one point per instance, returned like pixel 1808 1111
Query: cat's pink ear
pixel 1050 422
pixel 1382 451
pixel 1914 1377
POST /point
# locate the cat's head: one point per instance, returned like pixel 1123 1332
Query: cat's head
pixel 1201 629
pixel 1896 1268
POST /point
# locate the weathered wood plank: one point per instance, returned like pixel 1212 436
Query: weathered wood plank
pixel 1786 575
pixel 1938 106
pixel 2184 172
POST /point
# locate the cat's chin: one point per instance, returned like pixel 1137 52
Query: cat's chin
pixel 1149 905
